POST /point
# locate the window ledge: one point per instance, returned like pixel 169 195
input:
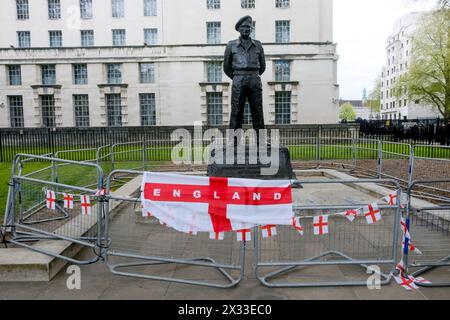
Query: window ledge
pixel 117 85
pixel 214 83
pixel 272 83
pixel 54 86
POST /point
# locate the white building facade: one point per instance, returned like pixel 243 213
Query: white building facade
pixel 399 52
pixel 89 63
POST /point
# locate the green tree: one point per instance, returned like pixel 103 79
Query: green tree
pixel 374 101
pixel 347 112
pixel 428 77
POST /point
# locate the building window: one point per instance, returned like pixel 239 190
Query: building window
pixel 48 73
pixel 118 8
pixel 282 70
pixel 87 38
pixel 48 110
pixel 114 110
pixel 86 9
pixel 151 36
pixel 282 33
pixel 81 110
pixel 213 4
pixel 23 12
pixel 214 108
pixel 214 71
pixel 147 72
pixel 150 8
pixel 114 73
pixel 118 37
pixel 283 107
pixel 148 109
pixel 55 39
pixel 80 74
pixel 253 33
pixel 247 4
pixel 15 75
pixel 213 32
pixel 24 39
pixel 247 117
pixel 282 3
pixel 54 9
pixel 16 111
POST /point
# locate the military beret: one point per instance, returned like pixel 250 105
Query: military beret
pixel 241 21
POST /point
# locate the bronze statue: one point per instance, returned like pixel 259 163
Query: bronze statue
pixel 244 62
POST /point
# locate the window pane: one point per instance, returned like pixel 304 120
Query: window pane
pixel 151 36
pixel 87 38
pixel 213 4
pixel 24 39
pixel 55 39
pixel 283 107
pixel 15 75
pixel 214 71
pixel 16 111
pixel 247 4
pixel 114 71
pixel 213 32
pixel 214 108
pixel 54 9
pixel 80 74
pixel 247 117
pixel 86 9
pixel 118 37
pixel 48 74
pixel 48 110
pixel 114 110
pixel 22 9
pixel 282 31
pixel 282 70
pixel 81 110
pixel 147 72
pixel 118 9
pixel 148 112
pixel 150 8
pixel 282 3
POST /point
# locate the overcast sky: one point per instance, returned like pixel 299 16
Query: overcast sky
pixel 361 28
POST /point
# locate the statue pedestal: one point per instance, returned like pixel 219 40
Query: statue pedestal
pixel 249 169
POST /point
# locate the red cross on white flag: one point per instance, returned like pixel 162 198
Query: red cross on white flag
pixel 217 236
pixel 406 282
pixel 269 231
pixel 421 280
pixel 50 199
pixel 297 225
pixel 372 213
pixel 320 225
pixel 350 214
pixel 68 201
pixel 214 204
pixel 244 235
pixel 85 205
pixel 391 199
pixel 400 267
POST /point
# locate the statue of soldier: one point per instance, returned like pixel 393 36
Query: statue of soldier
pixel 244 62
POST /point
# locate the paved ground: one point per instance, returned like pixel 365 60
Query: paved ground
pixel 129 231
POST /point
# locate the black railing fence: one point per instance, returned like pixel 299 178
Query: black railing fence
pixel 51 140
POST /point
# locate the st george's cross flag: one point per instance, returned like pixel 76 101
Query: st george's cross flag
pixel 50 199
pixel 212 204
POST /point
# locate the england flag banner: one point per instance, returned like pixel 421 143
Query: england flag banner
pixel 213 204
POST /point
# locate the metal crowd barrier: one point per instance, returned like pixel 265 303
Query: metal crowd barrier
pixel 348 243
pixel 139 244
pixel 429 226
pixel 26 196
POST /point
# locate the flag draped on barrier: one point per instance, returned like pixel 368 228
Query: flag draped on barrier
pixel 210 204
